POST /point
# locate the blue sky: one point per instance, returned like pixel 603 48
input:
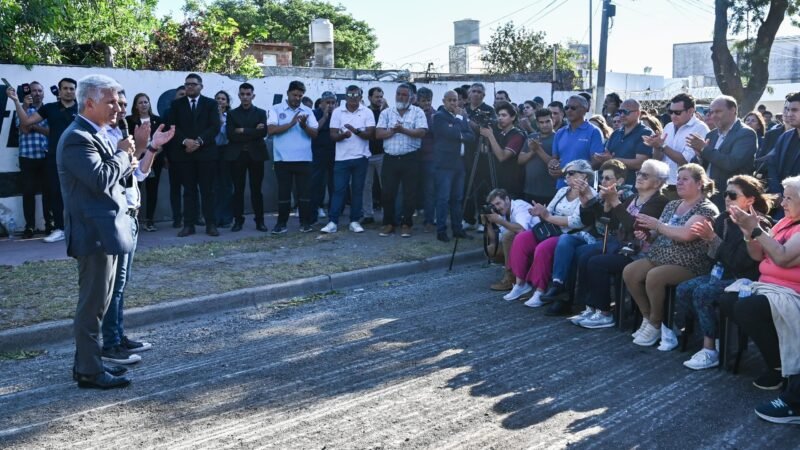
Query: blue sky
pixel 416 32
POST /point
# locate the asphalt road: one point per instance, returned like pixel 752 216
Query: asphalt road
pixel 432 361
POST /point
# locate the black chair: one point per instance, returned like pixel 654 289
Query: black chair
pixel 725 341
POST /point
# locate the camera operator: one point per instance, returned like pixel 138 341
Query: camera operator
pixel 504 219
pixel 477 111
pixel 505 144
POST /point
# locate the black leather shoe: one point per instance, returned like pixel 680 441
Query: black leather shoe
pixel 211 230
pixel 103 380
pixel 556 290
pixel 113 370
pixel 559 308
pixel 462 235
pixel 28 233
pixel 186 231
pixel 237 226
pixel 442 237
pixel 261 227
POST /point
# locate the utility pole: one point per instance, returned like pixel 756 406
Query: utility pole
pixel 609 10
pixel 555 68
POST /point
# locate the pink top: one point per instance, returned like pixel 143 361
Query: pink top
pixel 771 272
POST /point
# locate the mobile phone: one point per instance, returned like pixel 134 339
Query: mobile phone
pixel 26 89
pixel 8 85
pixel 534 136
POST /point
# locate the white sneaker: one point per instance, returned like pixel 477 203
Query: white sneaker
pixel 704 359
pixel 585 314
pixel 668 339
pixel 356 227
pixel 598 320
pixel 648 336
pixel 321 214
pixel 535 301
pixel 480 228
pixel 330 228
pixel 636 333
pixel 466 226
pixel 55 236
pixel 517 291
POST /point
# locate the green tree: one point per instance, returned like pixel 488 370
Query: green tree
pixel 747 79
pixel 514 49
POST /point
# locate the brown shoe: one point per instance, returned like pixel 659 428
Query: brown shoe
pixel 405 231
pixel 386 230
pixel 506 284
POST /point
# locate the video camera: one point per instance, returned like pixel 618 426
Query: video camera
pixel 484 119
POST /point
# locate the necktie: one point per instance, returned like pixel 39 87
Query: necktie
pixel 193 104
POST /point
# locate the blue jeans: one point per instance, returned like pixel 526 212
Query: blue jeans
pixel 449 197
pixel 351 172
pixel 112 321
pixel 565 254
pixel 429 191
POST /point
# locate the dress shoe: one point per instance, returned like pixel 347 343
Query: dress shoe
pixel 211 230
pixel 261 227
pixel 237 226
pixel 556 290
pixel 113 370
pixel 186 231
pixel 559 308
pixel 28 233
pixel 102 380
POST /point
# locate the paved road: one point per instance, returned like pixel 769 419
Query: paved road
pixel 433 361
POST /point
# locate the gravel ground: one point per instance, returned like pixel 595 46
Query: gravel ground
pixel 431 361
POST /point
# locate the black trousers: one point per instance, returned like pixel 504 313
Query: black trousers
pixel 194 174
pixel 243 167
pixel 34 174
pixel 150 188
pixel 175 196
pixel 321 179
pixel 396 170
pixel 298 174
pixel 53 187
pixel 754 316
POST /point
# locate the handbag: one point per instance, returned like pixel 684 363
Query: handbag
pixel 545 230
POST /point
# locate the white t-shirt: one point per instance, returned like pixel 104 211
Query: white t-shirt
pixel 677 141
pixel 519 214
pixel 353 147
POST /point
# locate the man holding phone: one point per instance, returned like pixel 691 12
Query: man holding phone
pixel 59 116
pixel 539 185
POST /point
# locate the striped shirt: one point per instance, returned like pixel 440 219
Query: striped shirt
pixel 401 144
pixel 32 145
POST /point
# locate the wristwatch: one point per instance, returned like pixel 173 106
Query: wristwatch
pixel 756 233
pixel 358 131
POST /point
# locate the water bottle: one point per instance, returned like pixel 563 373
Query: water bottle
pixel 11 226
pixel 745 290
pixel 717 271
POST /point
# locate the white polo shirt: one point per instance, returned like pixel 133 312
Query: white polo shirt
pixel 353 147
pixel 293 144
pixel 677 141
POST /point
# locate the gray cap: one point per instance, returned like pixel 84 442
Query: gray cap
pixel 328 94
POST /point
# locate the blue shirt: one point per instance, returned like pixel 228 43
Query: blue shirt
pixel 581 143
pixel 629 145
pixel 293 144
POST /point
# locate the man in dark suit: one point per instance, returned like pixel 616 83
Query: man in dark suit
pixel 97 221
pixel 727 150
pixel 247 151
pixel 785 161
pixel 197 123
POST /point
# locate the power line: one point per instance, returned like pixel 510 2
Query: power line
pixel 531 22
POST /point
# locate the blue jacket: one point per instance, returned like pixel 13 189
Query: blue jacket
pixel 784 162
pixel 448 135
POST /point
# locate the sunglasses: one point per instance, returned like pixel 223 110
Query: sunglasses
pixel 643 175
pixel 352 95
pixel 571 173
pixel 731 195
pixel 676 112
pixel 570 107
pixel 625 112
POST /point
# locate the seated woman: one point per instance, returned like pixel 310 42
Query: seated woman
pixel 531 261
pixel 729 251
pixel 676 254
pixel 573 247
pixel 596 271
pixel 771 315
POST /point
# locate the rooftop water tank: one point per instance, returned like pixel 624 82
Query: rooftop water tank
pixel 320 31
pixel 467 32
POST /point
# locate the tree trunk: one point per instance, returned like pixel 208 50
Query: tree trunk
pixel 726 71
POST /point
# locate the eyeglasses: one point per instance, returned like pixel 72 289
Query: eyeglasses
pixel 675 112
pixel 352 94
pixel 643 175
pixel 625 112
pixel 732 195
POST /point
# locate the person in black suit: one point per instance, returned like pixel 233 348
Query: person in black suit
pixel 196 121
pixel 247 151
pixel 97 220
pixel 785 161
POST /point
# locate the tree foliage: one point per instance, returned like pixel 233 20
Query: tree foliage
pixel 514 49
pixel 747 78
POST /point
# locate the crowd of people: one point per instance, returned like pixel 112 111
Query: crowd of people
pixel 702 210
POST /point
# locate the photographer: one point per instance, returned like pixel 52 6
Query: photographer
pixel 504 219
pixel 505 143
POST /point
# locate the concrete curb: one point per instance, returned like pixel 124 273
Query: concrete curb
pixel 61 330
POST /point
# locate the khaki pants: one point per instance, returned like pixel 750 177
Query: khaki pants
pixel 505 246
pixel 647 284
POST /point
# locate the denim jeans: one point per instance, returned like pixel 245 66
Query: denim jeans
pixel 112 328
pixel 565 254
pixel 449 197
pixel 699 295
pixel 321 181
pixel 349 172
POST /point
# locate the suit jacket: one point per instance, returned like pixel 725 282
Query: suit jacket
pixel 90 169
pixel 204 123
pixel 734 156
pixel 252 139
pixel 448 135
pixel 784 162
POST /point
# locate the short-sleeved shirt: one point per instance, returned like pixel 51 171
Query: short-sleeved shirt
pixel 629 145
pixel 293 144
pixel 509 173
pixel 691 255
pixel 322 144
pixel 352 147
pixel 58 118
pixel 676 140
pixel 580 143
pixel 399 143
pixel 32 145
pixel 538 181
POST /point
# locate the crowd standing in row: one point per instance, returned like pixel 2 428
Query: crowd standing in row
pixel 573 203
